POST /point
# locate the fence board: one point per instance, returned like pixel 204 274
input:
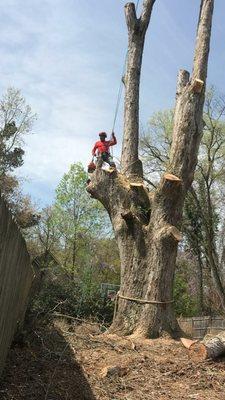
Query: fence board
pixel 16 276
pixel 198 327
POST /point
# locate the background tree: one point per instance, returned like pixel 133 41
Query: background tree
pixel 16 120
pixel 44 237
pixel 76 216
pixel 75 230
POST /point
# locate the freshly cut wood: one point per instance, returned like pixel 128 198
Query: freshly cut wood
pixel 198 352
pixel 136 184
pixel 176 233
pixel 210 348
pixel 187 342
pixel 110 170
pixel 170 177
pixel 198 85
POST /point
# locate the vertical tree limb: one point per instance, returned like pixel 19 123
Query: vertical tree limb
pixel 131 165
pixel 188 122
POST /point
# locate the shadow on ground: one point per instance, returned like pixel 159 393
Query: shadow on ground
pixel 44 367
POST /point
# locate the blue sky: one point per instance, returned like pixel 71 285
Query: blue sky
pixel 67 58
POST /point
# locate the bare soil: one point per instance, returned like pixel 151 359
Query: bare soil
pixel 68 361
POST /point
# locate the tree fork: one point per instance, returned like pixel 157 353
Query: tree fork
pixel 148 246
pixel 168 201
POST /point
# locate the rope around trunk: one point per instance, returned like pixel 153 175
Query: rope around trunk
pixel 141 301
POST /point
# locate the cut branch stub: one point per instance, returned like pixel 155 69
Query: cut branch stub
pixel 177 235
pixel 197 86
pixel 168 231
pixel 172 178
pixel 171 183
pixel 136 185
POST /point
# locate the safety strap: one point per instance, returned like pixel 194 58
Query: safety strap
pixel 144 301
pixel 140 301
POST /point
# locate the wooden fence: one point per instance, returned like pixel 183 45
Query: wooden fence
pixel 16 276
pixel 198 327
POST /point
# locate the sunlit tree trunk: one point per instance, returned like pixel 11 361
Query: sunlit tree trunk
pixel 147 226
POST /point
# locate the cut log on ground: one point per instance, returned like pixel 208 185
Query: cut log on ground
pixel 210 348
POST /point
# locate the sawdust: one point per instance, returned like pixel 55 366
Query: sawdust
pixel 65 361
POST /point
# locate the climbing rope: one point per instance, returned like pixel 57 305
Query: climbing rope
pixel 120 90
pixel 140 301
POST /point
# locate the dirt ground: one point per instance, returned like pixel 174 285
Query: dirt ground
pixel 72 361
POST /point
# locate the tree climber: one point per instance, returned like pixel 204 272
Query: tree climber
pixel 102 148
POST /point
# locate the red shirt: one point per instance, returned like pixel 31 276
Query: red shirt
pixel 103 147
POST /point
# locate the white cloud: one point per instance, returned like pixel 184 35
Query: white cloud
pixel 67 57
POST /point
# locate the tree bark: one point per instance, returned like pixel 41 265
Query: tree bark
pixel 209 348
pixel 147 227
pixel 131 165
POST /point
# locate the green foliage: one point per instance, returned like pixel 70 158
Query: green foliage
pixel 77 217
pixel 75 230
pixel 73 207
pixel 185 292
pixel 155 143
pixel 80 298
pixel 185 304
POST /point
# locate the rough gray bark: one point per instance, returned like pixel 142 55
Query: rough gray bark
pixel 147 225
pixel 137 27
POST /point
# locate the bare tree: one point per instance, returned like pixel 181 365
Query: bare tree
pixel 16 120
pixel 147 227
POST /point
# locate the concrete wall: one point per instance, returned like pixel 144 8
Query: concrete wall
pixel 16 276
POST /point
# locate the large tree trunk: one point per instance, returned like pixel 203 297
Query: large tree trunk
pixel 147 226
